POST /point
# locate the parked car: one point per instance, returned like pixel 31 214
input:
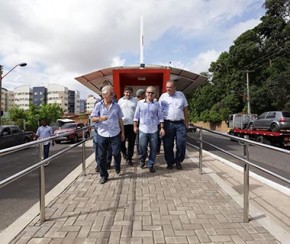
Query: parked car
pixel 75 135
pixel 12 135
pixel 272 120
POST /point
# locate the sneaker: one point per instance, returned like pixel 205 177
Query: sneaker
pixel 46 164
pixel 152 170
pixel 169 167
pixel 142 164
pixel 178 166
pixel 103 180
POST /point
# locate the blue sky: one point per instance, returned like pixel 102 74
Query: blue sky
pixel 63 39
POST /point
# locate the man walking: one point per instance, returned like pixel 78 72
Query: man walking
pixel 45 131
pixel 128 106
pixel 146 119
pixel 175 111
pixel 110 131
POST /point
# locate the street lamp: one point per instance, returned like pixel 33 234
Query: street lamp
pixel 1 78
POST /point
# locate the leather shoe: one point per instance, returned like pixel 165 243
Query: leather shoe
pixel 142 164
pixel 152 170
pixel 103 180
pixel 129 162
pixel 97 169
pixel 169 167
pixel 178 166
pixel 117 170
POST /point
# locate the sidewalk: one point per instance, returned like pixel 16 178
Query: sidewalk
pixel 169 206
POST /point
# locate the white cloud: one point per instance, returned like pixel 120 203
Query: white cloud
pixel 202 62
pixel 63 39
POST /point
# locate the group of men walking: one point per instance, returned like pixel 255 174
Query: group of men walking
pixel 118 123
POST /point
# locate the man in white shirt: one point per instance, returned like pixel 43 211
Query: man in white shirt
pixel 128 105
pixel 175 112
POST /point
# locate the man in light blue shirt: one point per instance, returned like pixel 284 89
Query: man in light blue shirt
pixel 107 115
pixel 148 116
pixel 45 131
pixel 175 111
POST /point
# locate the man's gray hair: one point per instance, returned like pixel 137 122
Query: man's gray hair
pixel 107 89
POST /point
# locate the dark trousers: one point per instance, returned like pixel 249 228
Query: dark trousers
pixel 103 144
pixel 46 151
pixel 174 131
pixel 130 136
pixel 95 143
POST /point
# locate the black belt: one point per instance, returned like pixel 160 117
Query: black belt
pixel 174 121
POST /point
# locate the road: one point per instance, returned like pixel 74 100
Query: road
pixel 274 161
pixel 20 195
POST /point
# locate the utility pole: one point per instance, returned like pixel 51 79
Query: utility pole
pixel 1 73
pixel 248 93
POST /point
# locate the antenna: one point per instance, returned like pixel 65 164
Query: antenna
pixel 142 65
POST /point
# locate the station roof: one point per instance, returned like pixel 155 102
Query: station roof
pixel 185 81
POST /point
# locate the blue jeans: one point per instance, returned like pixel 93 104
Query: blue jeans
pixel 103 144
pixel 174 132
pixel 144 140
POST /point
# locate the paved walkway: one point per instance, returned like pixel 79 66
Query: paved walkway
pixel 169 206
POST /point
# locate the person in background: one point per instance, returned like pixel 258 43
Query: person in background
pixel 175 111
pixel 140 94
pixel 128 106
pixel 95 137
pixel 147 117
pixel 45 131
pixel 108 115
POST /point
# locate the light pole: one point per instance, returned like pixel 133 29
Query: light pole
pixel 1 78
pixel 248 93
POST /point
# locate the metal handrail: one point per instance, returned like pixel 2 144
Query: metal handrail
pixel 41 163
pixel 245 160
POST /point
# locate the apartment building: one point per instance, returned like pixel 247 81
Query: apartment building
pixel 23 96
pixel 39 95
pixel 58 94
pixel 90 103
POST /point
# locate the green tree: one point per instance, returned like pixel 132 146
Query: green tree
pixel 18 116
pixel 263 52
pixel 52 112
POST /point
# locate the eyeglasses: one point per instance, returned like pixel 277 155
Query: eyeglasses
pixel 150 92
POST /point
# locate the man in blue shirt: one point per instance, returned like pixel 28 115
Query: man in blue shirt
pixel 45 131
pixel 148 116
pixel 175 111
pixel 107 115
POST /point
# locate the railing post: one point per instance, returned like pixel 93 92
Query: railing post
pixel 200 151
pixel 84 154
pixel 41 185
pixel 246 182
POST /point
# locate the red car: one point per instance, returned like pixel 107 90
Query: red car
pixel 75 135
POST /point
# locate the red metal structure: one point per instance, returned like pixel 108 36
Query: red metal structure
pixel 141 77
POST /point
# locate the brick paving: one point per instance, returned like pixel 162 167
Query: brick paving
pixel 169 206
